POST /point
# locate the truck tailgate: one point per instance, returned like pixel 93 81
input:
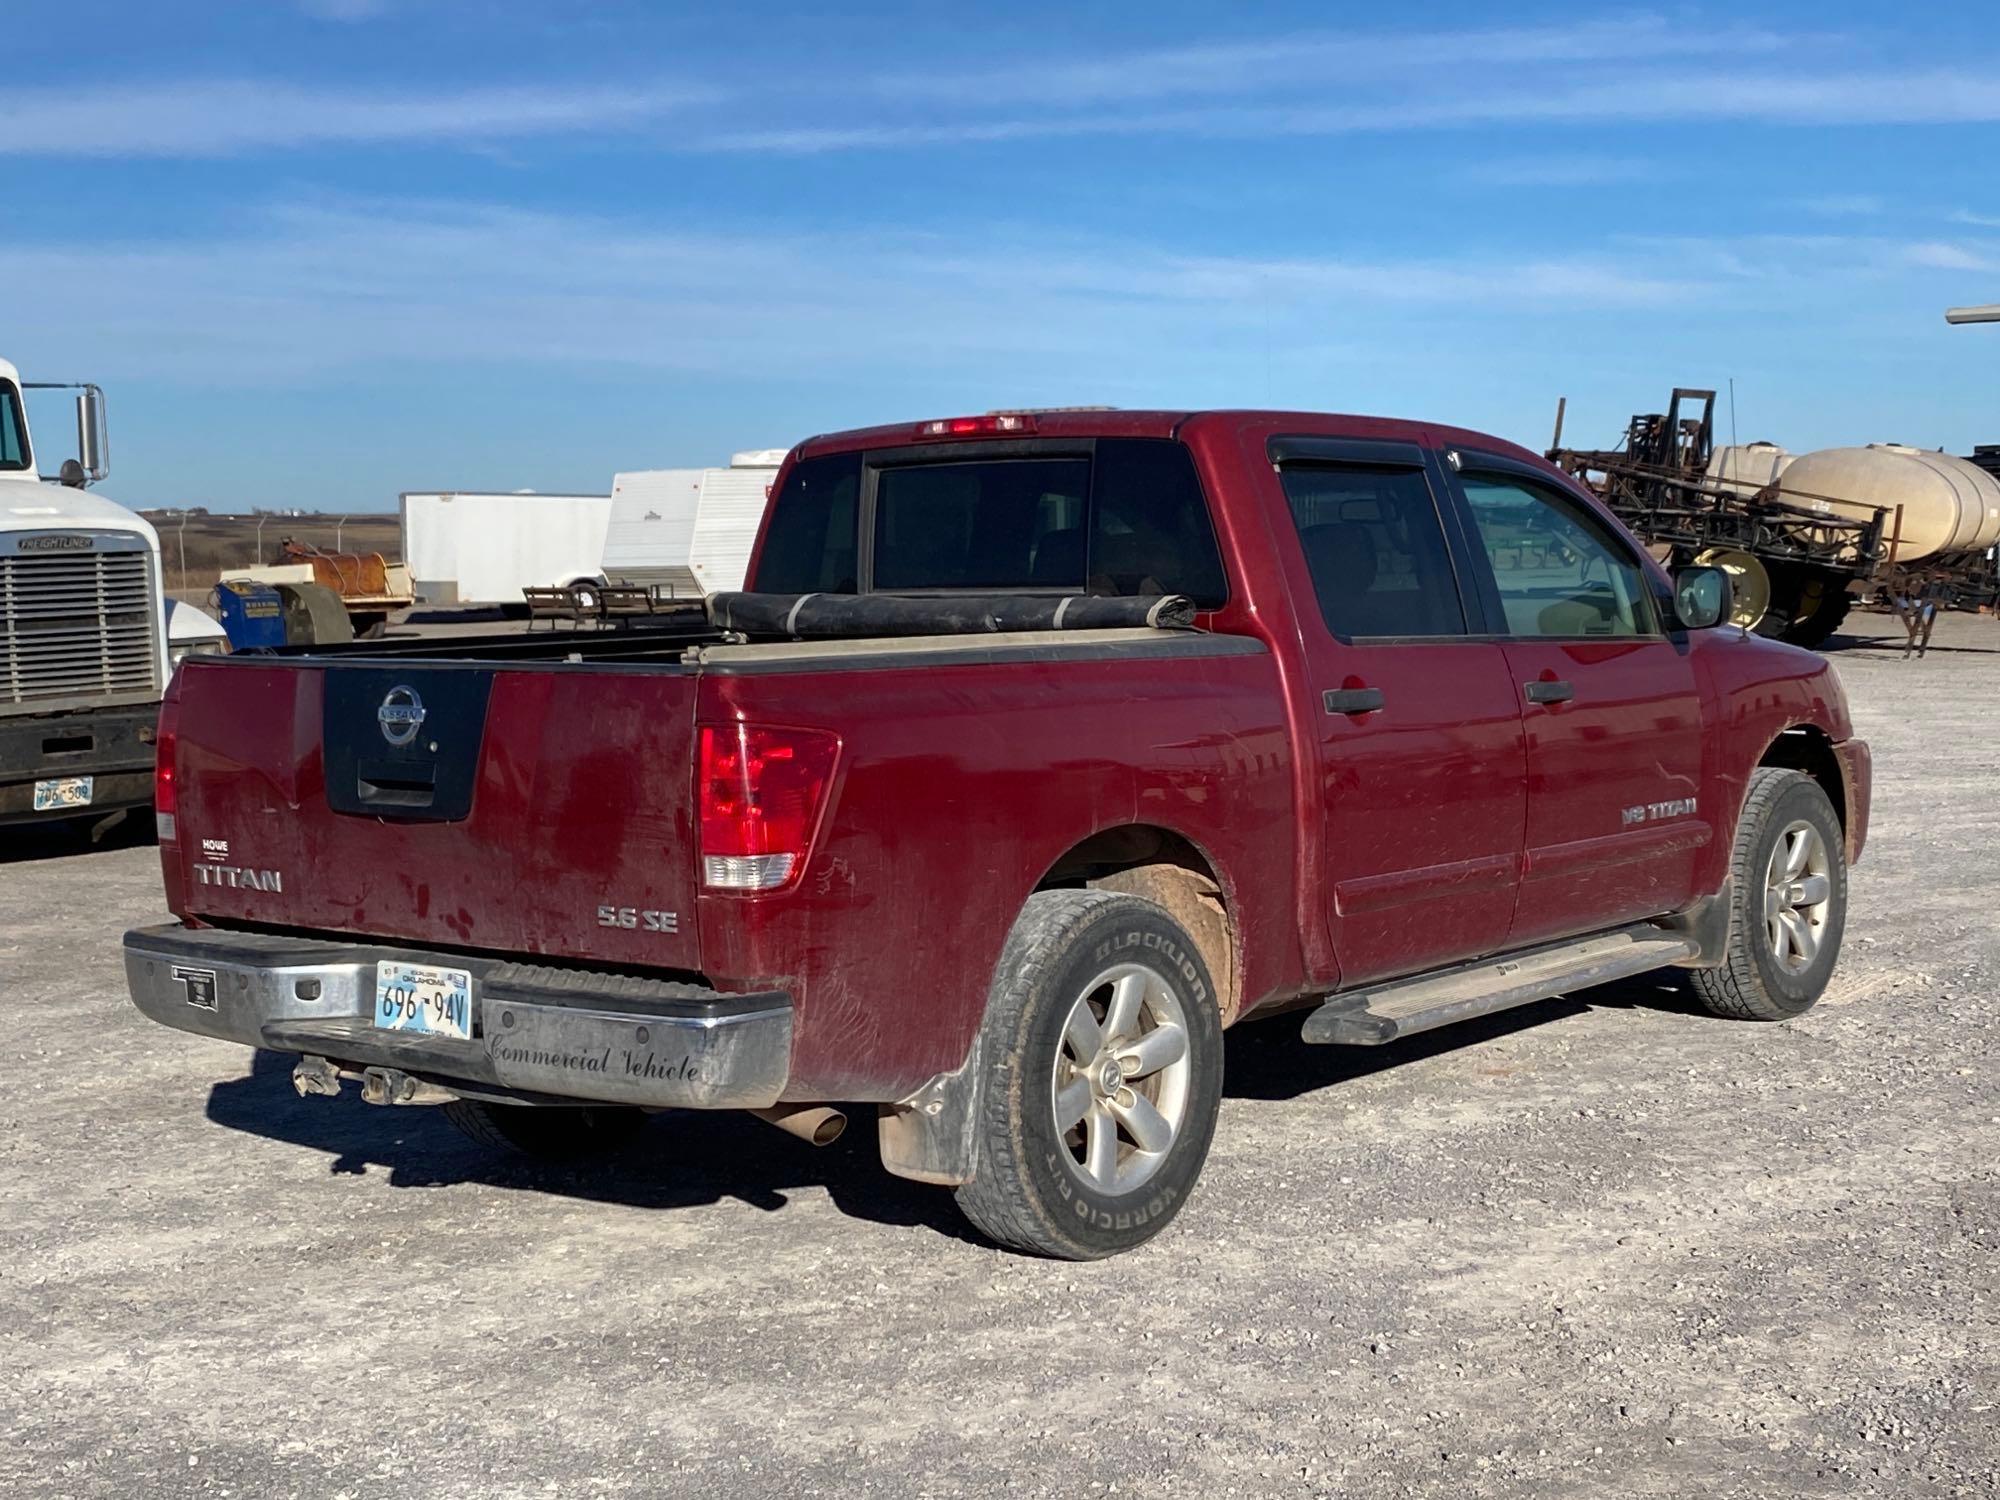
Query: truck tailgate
pixel 521 809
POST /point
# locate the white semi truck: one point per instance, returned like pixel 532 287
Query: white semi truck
pixel 86 639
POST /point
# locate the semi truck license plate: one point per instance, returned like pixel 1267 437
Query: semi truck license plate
pixel 414 997
pixel 63 791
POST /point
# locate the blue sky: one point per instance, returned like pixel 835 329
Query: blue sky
pixel 324 251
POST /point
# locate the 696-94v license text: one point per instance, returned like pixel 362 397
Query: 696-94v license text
pixel 419 998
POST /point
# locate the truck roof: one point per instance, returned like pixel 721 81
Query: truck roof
pixel 1114 422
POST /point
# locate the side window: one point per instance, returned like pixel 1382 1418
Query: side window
pixel 1559 571
pixel 809 545
pixel 1150 531
pixel 13 447
pixel 1375 548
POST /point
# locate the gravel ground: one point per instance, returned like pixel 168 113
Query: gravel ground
pixel 1601 1246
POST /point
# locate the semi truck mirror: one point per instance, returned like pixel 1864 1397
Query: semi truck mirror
pixel 93 439
pixel 1701 597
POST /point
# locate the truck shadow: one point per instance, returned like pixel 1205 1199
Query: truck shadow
pixel 1266 1059
pixel 694 1158
pixel 1892 645
pixel 29 843
pixel 681 1159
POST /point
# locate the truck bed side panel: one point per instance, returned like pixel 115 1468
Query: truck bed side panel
pixel 961 786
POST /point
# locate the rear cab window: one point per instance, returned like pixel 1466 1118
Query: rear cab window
pixel 1107 516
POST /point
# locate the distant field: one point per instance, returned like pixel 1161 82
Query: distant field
pixel 197 553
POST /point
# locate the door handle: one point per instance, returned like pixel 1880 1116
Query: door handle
pixel 1549 692
pixel 1352 700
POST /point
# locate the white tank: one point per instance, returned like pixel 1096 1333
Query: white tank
pixel 1949 505
pixel 1749 468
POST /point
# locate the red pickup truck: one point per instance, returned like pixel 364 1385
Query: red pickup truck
pixel 1042 748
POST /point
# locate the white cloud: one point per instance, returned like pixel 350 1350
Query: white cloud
pixel 1844 205
pixel 1428 101
pixel 311 288
pixel 1568 169
pixel 228 117
pixel 1945 257
pixel 1321 62
pixel 1635 71
pixel 344 10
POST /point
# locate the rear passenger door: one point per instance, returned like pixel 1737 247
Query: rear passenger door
pixel 1612 713
pixel 1421 763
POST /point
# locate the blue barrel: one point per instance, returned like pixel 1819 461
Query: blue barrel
pixel 252 614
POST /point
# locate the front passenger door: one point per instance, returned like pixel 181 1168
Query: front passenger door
pixel 1612 712
pixel 1419 730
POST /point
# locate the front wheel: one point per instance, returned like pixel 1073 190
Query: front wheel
pixel 1789 906
pixel 1102 1051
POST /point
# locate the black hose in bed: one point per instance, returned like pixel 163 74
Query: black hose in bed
pixel 806 616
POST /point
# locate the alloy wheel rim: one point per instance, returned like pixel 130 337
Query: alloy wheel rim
pixel 1119 1089
pixel 1798 896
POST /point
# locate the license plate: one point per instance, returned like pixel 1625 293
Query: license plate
pixel 416 997
pixel 59 792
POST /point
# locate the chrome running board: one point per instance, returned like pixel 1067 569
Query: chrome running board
pixel 1382 1013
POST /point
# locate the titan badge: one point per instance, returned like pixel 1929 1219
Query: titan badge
pixel 1650 812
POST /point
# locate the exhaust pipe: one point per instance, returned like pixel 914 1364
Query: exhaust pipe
pixel 816 1124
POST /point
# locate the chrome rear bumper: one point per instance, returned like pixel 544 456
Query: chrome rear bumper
pixel 537 1030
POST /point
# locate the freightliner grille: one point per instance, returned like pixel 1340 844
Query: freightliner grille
pixel 75 628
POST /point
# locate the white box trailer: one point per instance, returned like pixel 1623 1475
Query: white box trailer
pixel 689 531
pixel 468 547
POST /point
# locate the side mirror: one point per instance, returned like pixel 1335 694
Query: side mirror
pixel 1702 597
pixel 93 438
pixel 70 475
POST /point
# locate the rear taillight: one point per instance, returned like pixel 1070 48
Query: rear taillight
pixel 760 792
pixel 166 792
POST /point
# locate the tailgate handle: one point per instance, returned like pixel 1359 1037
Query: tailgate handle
pixel 394 783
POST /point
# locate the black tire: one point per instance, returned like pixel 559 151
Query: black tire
pixel 1754 983
pixel 1031 1190
pixel 549 1133
pixel 1822 616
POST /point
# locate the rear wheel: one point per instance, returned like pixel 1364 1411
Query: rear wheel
pixel 551 1133
pixel 1103 1056
pixel 1789 902
pixel 1822 604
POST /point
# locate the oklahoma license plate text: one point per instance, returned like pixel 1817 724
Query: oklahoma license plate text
pixel 416 997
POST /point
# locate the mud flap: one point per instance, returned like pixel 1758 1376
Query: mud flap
pixel 1706 924
pixel 930 1136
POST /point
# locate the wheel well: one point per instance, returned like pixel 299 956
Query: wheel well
pixel 1162 867
pixel 1806 747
